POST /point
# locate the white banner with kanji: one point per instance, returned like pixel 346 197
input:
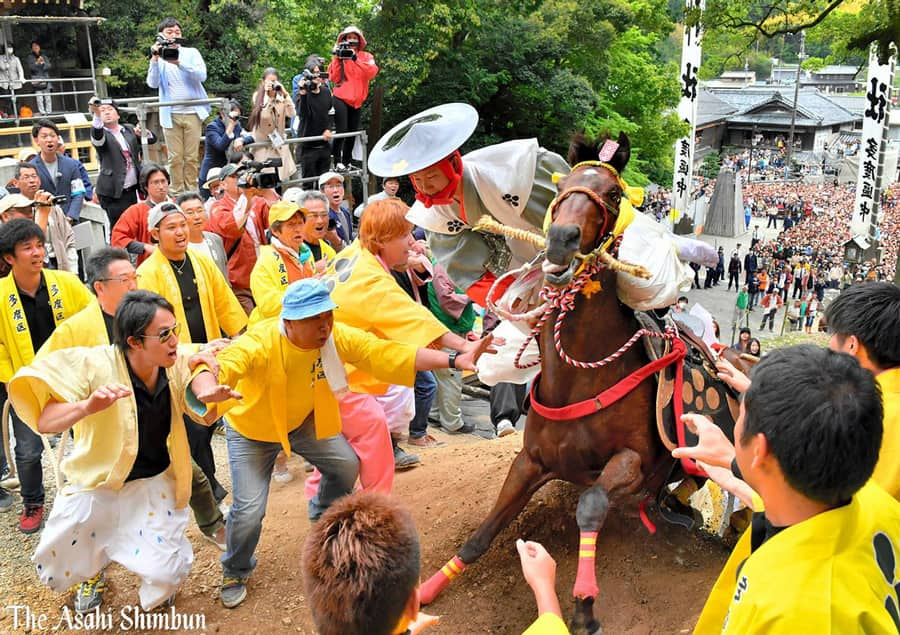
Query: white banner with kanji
pixel 875 120
pixel 687 107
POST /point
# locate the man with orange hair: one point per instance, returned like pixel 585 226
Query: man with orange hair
pixel 362 279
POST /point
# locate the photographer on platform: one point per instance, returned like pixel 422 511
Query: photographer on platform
pixel 222 133
pixel 316 112
pixel 178 72
pixel 272 110
pixel 351 69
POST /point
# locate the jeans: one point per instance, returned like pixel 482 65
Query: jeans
pixel 251 471
pixel 29 448
pixel 770 316
pixel 425 389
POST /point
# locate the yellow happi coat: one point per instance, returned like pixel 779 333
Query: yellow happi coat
pixel 106 443
pixel 369 298
pixel 282 384
pixel 222 313
pixel 67 297
pixel 831 574
pixel 887 470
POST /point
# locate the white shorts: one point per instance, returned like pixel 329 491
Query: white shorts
pixel 399 404
pixel 136 526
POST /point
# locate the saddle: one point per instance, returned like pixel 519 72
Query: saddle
pixel 702 391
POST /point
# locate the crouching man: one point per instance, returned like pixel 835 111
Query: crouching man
pixel 289 376
pixel 129 473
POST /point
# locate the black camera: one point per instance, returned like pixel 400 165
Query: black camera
pixel 167 49
pixel 260 174
pixel 308 81
pixel 56 200
pixel 344 51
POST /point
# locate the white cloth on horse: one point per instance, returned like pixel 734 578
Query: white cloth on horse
pixel 648 243
pixel 693 250
pixel 136 526
pixel 500 368
pixel 399 404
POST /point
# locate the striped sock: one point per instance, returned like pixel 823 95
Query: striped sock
pixel 586 577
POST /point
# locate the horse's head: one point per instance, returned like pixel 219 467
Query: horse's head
pixel 587 206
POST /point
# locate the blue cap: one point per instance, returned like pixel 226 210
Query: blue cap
pixel 306 298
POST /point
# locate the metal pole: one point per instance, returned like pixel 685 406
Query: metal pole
pixel 87 32
pixel 790 148
pixel 142 122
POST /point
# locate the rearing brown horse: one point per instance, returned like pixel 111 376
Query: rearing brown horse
pixel 614 450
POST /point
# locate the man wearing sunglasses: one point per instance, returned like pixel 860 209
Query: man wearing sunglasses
pixel 129 473
pixel 288 374
pixel 35 301
pixel 110 275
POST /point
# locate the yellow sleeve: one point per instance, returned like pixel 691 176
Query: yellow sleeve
pixel 50 378
pixel 246 356
pixel 266 287
pixel 386 360
pixel 547 624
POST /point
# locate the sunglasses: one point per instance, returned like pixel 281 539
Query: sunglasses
pixel 165 334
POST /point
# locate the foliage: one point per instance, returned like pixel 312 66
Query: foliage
pixel 711 164
pixel 533 68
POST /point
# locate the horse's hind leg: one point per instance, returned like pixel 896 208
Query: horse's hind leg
pixel 525 477
pixel 621 475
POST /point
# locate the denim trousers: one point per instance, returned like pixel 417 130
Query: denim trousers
pixel 251 472
pixel 425 389
pixel 29 449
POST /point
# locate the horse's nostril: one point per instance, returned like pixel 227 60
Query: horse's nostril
pixel 562 242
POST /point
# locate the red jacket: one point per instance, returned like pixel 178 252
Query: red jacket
pixel 353 87
pixel 242 260
pixel 132 226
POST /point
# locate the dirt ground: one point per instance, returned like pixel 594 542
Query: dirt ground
pixel 648 584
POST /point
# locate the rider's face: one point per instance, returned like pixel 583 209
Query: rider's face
pixel 431 180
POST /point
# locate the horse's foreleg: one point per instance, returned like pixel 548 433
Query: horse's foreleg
pixel 622 474
pixel 525 477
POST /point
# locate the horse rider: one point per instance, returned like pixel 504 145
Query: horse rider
pixel 510 182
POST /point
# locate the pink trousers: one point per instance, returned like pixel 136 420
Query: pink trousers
pixel 365 427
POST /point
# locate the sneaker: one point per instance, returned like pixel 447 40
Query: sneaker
pixel 217 538
pixel 505 428
pixel 32 519
pixel 404 460
pixel 7 481
pixel 90 593
pixel 282 474
pixel 233 591
pixel 425 441
pixel 6 500
pixel 467 428
pixel 340 168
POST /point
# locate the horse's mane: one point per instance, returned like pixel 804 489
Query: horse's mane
pixel 583 148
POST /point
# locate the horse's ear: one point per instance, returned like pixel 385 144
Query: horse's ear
pixel 623 153
pixel 581 149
